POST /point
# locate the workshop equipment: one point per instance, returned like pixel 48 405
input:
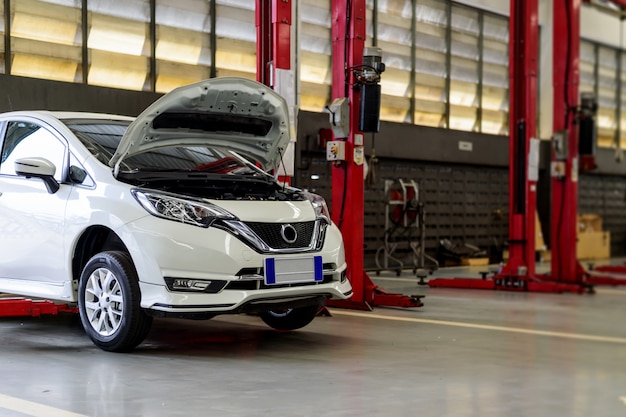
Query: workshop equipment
pixel 405 230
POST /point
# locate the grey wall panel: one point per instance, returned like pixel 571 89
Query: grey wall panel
pixel 21 93
pixel 466 193
pixel 464 204
pixel 606 195
pixel 405 141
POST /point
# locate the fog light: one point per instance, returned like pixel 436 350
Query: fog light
pixel 194 285
pixel 189 284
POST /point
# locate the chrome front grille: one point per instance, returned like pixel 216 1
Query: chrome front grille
pixel 270 233
pixel 277 237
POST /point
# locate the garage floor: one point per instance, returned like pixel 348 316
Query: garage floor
pixel 465 353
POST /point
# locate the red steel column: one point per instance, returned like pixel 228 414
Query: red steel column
pixel 566 41
pixel 348 37
pixel 273 34
pixel 263 21
pixel 273 56
pixel 348 41
pixel 281 33
pixel 523 44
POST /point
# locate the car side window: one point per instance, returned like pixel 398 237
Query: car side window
pixel 25 140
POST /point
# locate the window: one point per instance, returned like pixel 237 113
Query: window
pixel 464 67
pixel 395 38
pixel 430 63
pixel 607 94
pixel 183 50
pixel 26 140
pixel 495 75
pixel 46 40
pixel 446 63
pixel 601 72
pixel 315 55
pixel 119 46
pixel 101 139
pixel 236 46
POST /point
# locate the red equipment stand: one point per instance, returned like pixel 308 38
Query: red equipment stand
pixel 348 37
pixel 567 275
pixel 611 269
pixel 617 275
pixel 20 307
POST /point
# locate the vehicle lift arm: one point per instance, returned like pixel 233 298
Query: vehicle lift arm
pixel 24 307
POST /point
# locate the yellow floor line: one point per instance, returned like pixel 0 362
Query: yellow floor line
pixel 483 327
pixel 29 408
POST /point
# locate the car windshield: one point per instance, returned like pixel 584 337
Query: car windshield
pixel 102 138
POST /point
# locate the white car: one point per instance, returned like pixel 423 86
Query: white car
pixel 171 214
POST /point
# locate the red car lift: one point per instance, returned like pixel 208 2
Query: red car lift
pixel 348 37
pixel 20 307
pixel 273 20
pixel 567 275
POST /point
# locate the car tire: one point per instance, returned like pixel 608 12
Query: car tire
pixel 109 303
pixel 289 319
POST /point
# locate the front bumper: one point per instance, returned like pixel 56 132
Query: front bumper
pixel 164 303
pixel 164 250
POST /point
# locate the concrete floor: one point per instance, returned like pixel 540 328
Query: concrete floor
pixel 465 353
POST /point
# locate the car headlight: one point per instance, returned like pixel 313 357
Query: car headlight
pixel 168 207
pixel 319 205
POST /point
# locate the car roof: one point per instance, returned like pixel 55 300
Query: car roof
pixel 63 115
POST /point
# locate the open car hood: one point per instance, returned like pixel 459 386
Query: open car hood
pixel 234 113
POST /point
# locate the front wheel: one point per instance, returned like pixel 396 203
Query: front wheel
pixel 289 319
pixel 109 303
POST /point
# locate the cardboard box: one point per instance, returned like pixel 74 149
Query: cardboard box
pixel 593 245
pixel 589 223
pixel 540 244
pixel 474 261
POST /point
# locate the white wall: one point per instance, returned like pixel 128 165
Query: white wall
pixel 497 6
pixel 600 26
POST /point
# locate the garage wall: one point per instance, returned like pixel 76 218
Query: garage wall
pixel 22 93
pixel 465 193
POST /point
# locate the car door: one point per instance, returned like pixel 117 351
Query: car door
pixel 32 220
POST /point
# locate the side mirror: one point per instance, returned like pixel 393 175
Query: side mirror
pixel 38 168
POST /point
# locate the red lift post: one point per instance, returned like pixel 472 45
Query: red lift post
pixel 348 38
pixel 565 157
pixel 273 34
pixel 610 269
pixel 566 274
